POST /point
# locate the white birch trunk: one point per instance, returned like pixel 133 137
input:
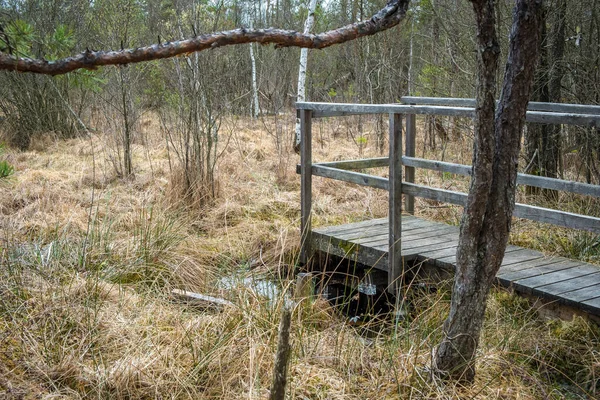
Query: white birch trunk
pixel 302 70
pixel 256 108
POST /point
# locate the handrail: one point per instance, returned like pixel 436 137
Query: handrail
pixel 532 106
pixel 343 109
pixel 333 170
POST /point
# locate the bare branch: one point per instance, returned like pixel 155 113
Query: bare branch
pixel 386 18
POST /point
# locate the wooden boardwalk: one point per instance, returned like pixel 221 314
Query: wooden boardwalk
pixel 567 282
pixel 399 240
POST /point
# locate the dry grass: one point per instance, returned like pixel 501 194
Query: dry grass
pixel 88 261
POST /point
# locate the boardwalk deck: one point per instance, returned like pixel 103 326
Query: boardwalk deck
pixel 567 282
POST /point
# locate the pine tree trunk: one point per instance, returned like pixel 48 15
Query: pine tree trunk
pixel 487 217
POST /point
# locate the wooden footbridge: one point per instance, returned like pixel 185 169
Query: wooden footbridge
pixel 390 243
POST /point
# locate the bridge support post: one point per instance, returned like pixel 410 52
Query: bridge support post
pixel 395 267
pixel 305 182
pixel 409 151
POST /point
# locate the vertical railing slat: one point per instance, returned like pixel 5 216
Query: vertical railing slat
pixel 395 204
pixel 306 182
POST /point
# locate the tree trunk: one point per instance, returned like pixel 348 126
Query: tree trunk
pixel 487 217
pixel 256 107
pixel 302 70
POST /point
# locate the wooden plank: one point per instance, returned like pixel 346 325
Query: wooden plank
pixel 429 230
pixel 560 218
pixel 440 166
pixel 583 294
pixel 442 195
pixel 532 106
pixel 379 229
pixel 432 253
pixel 358 164
pixel 305 183
pixel 409 232
pixel 409 150
pixel 516 275
pixel 559 184
pixel 352 225
pixel 406 237
pixel 395 268
pixel 510 257
pixel 505 269
pixel 557 276
pixel 345 109
pixel 589 120
pixel 357 178
pixel 382 245
pixel 522 179
pixel 594 304
pixel 520 256
pixel 573 284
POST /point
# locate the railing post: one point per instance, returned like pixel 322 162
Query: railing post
pixel 395 200
pixel 305 182
pixel 411 134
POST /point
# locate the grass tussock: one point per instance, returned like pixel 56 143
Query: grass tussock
pixel 89 260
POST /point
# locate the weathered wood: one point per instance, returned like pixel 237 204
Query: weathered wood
pixel 559 184
pixel 522 179
pixel 282 356
pixel 540 214
pixel 380 230
pixel 352 225
pixel 574 284
pixel 375 258
pixel 441 166
pixel 441 195
pixel 527 271
pixel 520 274
pixel 358 164
pixel 200 300
pixel 409 237
pixel 557 276
pixel 345 109
pixel 357 178
pixel 532 106
pixel 560 218
pixel 409 151
pixel 583 294
pixel 305 183
pixel 395 269
pixel 340 109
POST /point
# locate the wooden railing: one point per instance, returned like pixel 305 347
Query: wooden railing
pixel 549 113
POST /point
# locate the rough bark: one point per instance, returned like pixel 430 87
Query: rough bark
pixel 487 217
pixel 386 18
pixel 282 357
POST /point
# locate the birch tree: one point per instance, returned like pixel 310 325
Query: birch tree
pixel 302 69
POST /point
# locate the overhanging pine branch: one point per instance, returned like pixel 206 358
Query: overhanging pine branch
pixel 389 16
